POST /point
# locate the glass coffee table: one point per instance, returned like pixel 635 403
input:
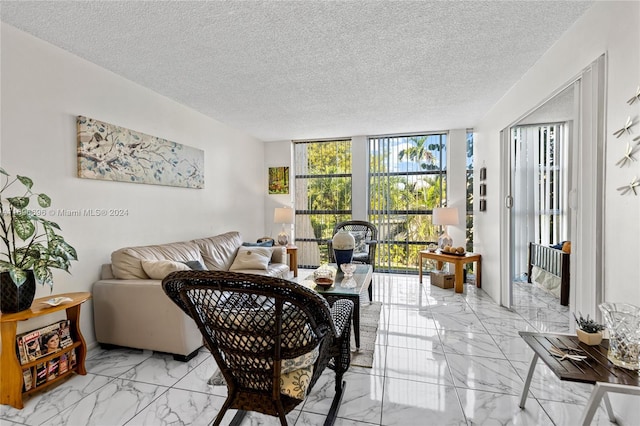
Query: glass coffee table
pixel 362 278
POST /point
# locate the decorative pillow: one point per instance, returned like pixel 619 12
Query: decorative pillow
pixel 251 258
pixel 195 265
pixel 259 244
pixel 361 245
pixel 296 383
pixel 158 269
pixel 557 246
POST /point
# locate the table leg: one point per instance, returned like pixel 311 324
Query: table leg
pixel 592 406
pixel 356 320
pixel 459 276
pixel 420 268
pixel 527 382
pixel 478 274
pixel 293 261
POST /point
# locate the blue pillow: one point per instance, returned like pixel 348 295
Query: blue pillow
pixel 557 246
pixel 262 244
pixel 195 265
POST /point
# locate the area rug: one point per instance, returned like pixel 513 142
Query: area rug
pixel 369 319
pixel 363 357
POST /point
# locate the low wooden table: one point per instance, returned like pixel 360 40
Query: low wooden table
pixel 595 369
pixel 362 277
pixel 458 261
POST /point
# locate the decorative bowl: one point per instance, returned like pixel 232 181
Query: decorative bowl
pixel 348 269
pixel 323 278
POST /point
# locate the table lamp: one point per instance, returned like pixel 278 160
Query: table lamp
pixel 445 216
pixel 283 215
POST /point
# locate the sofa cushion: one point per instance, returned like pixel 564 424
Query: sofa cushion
pixel 158 269
pixel 218 252
pixel 126 262
pixel 252 258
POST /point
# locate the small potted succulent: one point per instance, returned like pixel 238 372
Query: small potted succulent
pixel 29 244
pixel 588 331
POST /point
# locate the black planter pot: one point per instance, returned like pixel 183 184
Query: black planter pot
pixel 14 298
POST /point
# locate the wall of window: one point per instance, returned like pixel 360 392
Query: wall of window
pixel 407 179
pixel 393 181
pixel 469 197
pixel 323 194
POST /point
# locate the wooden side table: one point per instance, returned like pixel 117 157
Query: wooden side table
pixel 12 378
pixel 458 261
pixel 595 369
pixel 292 251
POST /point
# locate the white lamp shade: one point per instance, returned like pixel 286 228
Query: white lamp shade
pixel 283 215
pixel 445 216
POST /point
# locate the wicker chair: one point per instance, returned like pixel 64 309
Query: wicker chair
pixel 265 333
pixel 366 234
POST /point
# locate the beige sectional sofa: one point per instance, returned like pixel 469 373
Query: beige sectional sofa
pixel 132 310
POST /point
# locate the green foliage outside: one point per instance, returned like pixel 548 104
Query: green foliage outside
pixel 400 202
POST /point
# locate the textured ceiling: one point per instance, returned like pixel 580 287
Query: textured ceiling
pixel 310 69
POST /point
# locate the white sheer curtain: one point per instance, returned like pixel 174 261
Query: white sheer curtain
pixel 540 188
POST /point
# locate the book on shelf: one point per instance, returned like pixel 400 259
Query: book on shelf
pixel 72 358
pixel 65 334
pixel 31 343
pixel 41 373
pixel 42 341
pixel 21 351
pixel 53 368
pixel 64 364
pixel 28 379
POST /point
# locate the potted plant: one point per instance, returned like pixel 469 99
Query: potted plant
pixel 31 246
pixel 588 331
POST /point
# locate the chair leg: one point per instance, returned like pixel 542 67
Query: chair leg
pixel 371 291
pixel 237 419
pixel 240 414
pixel 335 405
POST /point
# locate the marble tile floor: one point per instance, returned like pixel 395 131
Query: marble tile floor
pixel 441 359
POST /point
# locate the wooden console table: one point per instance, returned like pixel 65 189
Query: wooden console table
pixel 12 378
pixel 292 251
pixel 595 369
pixel 458 261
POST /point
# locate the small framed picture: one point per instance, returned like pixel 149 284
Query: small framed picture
pixel 483 205
pixel 483 189
pixel 483 173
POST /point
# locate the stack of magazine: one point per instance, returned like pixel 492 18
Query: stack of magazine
pixel 40 343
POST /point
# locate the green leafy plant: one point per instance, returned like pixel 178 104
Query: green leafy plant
pixel 30 241
pixel 587 324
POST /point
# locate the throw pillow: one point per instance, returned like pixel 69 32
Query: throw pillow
pixel 259 244
pixel 361 245
pixel 566 247
pixel 195 265
pixel 158 269
pixel 251 258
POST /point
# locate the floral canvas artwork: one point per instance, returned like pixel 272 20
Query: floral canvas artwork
pixel 110 152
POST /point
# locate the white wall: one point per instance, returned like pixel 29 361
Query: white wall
pixel 608 27
pixel 277 154
pixel 44 88
pixel 614 28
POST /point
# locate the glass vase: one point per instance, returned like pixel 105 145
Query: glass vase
pixel 623 323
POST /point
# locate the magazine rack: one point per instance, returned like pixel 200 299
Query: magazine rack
pixel 12 381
